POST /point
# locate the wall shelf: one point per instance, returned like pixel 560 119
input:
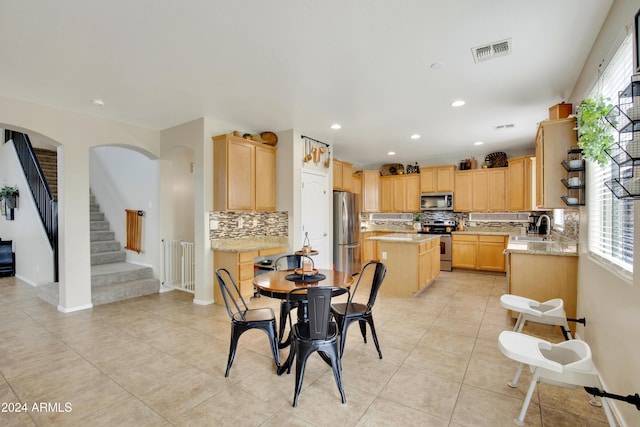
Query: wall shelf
pixel 625 153
pixel 575 179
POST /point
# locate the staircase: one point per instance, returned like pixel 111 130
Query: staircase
pixel 112 278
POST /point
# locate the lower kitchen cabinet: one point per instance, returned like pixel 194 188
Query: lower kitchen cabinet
pixel 410 267
pixel 479 252
pixel 240 265
pixel 544 277
pixel 369 248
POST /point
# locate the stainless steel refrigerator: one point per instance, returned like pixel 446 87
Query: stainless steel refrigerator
pixel 346 232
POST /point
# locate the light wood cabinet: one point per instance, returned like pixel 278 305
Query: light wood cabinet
pixel 244 174
pixel 400 193
pixel 241 267
pixel 480 190
pixel 553 139
pixel 544 277
pixel 369 249
pixel 491 253
pixel 356 184
pixel 479 252
pixel 521 184
pixel 410 267
pixel 370 191
pixel 437 179
pixel 342 175
pixel 462 191
pixel 464 251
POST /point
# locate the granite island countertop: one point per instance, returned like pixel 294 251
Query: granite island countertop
pixel 243 244
pixel 559 247
pixel 413 238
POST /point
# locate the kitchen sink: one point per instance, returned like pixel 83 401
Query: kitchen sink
pixel 531 239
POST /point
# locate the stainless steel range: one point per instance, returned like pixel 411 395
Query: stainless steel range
pixel 443 228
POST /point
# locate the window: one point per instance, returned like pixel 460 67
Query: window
pixel 610 234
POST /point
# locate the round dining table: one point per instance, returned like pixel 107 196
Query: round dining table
pixel 275 284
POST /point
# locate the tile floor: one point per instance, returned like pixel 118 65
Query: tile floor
pixel 160 360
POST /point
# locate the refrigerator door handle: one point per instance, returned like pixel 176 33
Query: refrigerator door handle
pixel 357 245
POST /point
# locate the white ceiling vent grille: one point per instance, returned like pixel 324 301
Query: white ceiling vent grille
pixel 490 51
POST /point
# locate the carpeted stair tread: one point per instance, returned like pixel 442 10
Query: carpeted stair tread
pixel 122 291
pixel 108 274
pixel 108 257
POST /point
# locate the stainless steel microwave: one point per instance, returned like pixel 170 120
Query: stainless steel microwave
pixel 436 202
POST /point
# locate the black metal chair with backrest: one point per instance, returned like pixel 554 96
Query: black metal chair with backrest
pixel 320 334
pixel 7 258
pixel 243 318
pixel 287 262
pixel 348 312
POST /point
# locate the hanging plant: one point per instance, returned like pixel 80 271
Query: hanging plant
pixel 595 134
pixel 9 195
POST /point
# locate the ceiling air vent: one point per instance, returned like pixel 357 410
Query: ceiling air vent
pixel 490 51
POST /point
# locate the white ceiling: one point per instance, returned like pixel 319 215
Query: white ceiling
pixel 300 64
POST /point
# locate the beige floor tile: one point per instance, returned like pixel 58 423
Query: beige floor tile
pixel 160 360
pixel 383 413
pixel 433 361
pixel 479 408
pixel 433 395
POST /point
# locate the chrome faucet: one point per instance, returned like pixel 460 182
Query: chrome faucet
pixel 548 233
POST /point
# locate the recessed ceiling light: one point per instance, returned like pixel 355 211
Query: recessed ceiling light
pixel 99 102
pixel 436 65
pixel 415 136
pixel 478 143
pixel 391 153
pixel 335 126
pixel 458 103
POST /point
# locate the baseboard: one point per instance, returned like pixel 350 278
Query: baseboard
pixel 76 308
pixel 202 302
pixel 28 282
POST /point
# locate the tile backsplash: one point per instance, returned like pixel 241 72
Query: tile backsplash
pixel 235 224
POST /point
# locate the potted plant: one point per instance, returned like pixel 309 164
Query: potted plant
pixel 595 134
pixel 9 195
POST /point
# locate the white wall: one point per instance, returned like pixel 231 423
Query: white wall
pixel 34 256
pixel 610 302
pixel 121 179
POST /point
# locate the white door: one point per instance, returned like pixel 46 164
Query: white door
pixel 316 215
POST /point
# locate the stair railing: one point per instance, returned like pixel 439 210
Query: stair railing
pixel 47 206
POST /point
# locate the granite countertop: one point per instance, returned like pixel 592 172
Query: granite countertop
pixel 388 229
pixel 485 233
pixel 404 238
pixel 557 247
pixel 243 244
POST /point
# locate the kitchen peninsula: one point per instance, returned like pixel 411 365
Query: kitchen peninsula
pixel 412 261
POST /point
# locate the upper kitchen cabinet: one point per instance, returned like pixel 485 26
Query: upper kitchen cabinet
pixel 400 193
pixel 370 190
pixel 342 175
pixel 437 179
pixel 553 140
pixel 480 190
pixel 244 174
pixel 521 184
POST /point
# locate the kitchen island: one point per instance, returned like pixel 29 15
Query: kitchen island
pixel 412 261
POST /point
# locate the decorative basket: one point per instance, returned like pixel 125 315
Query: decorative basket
pixel 392 169
pixel 497 160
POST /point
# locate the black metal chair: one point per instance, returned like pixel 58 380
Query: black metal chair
pixel 287 262
pixel 348 312
pixel 319 334
pixel 243 318
pixel 7 258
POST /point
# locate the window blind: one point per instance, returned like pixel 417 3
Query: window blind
pixel 610 229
